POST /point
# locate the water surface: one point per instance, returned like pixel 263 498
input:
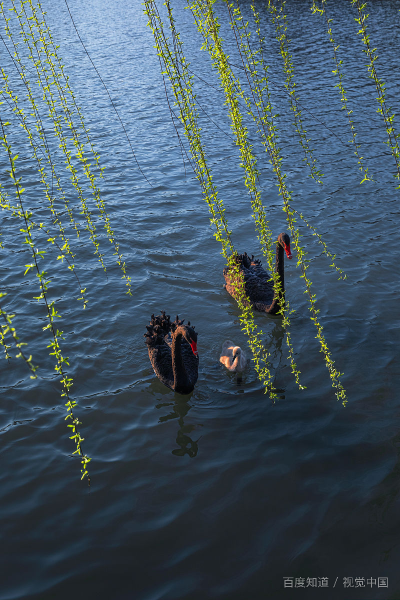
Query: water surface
pixel 222 494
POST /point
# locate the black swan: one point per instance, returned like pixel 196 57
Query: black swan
pixel 233 357
pixel 173 352
pixel 259 289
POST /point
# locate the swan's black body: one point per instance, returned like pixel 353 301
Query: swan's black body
pixel 258 285
pixel 173 353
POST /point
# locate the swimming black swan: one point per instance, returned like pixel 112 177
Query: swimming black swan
pixel 173 352
pixel 259 290
pixel 233 357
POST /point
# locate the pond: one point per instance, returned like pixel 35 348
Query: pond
pixel 224 493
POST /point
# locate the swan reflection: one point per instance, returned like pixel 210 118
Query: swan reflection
pixel 276 337
pixel 180 408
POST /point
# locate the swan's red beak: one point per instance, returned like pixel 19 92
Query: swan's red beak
pixel 287 250
pixel 193 346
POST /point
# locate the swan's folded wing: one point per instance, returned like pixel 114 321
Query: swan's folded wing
pixel 230 282
pixel 259 289
pixel 160 358
pixel 258 270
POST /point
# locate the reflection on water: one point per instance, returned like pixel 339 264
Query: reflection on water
pixel 275 342
pixel 180 409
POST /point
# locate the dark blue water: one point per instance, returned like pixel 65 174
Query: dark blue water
pixel 223 494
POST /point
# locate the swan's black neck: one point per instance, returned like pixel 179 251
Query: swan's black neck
pixel 181 380
pixel 280 269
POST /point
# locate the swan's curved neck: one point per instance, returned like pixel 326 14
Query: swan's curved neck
pixel 235 362
pixel 181 381
pixel 280 269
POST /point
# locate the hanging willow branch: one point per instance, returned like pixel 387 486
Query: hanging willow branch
pixel 261 111
pixel 50 51
pixel 343 96
pixel 50 306
pixel 62 105
pixel 65 250
pixel 171 60
pixel 280 21
pixel 209 28
pixel 19 65
pixel 384 110
pixel 174 65
pixel 208 25
pixel 35 59
pixel 57 114
pixel 8 328
pixel 15 211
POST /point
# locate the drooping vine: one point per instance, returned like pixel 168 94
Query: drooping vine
pixel 8 329
pixel 209 27
pixel 384 110
pixel 280 21
pixel 343 95
pixel 57 114
pixel 19 63
pixel 208 24
pixel 65 251
pixel 49 49
pixel 62 105
pixel 175 66
pixel 44 105
pixel 50 305
pixel 261 111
